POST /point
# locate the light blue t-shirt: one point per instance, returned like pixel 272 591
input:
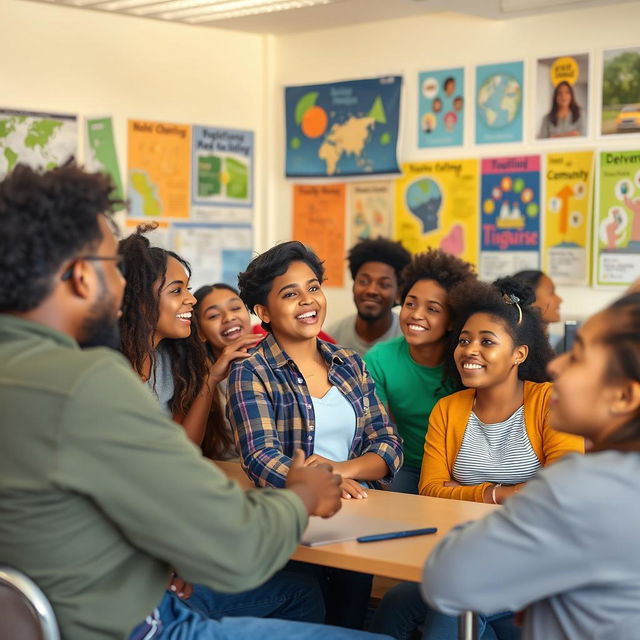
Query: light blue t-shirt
pixel 335 425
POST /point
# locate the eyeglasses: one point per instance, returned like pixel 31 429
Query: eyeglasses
pixel 118 259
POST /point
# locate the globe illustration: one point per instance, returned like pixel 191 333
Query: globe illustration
pixel 499 100
pixel 424 199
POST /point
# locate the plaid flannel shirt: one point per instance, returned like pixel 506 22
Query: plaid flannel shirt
pixel 271 411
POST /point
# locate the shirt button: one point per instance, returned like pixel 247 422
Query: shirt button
pixel 309 437
pixel 300 380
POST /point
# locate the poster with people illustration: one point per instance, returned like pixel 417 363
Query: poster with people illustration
pixel 617 232
pixel 562 97
pixel 441 108
pixel 510 229
pixel 567 209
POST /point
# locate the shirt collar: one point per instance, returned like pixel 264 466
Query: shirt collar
pixel 277 357
pixel 15 325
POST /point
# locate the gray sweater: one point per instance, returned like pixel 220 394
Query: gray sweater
pixel 567 547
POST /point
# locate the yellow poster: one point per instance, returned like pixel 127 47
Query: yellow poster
pixel 567 215
pixel 159 166
pixel 437 206
pixel 319 221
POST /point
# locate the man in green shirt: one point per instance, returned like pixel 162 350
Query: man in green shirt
pixel 101 495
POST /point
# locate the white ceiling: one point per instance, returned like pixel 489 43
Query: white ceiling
pixel 350 12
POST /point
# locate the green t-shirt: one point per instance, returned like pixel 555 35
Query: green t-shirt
pixel 409 391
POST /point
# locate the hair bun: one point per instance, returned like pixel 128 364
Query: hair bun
pixel 513 288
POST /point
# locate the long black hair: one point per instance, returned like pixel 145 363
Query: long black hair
pixel 146 266
pixel 574 107
pixel 508 300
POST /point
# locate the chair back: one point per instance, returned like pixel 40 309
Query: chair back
pixel 25 612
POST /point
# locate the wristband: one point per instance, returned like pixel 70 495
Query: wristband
pixel 493 492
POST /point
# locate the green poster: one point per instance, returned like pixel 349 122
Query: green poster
pixel 101 150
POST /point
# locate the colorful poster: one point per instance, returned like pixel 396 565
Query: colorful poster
pixel 617 232
pixel 343 128
pixel 499 102
pixel 370 209
pixel 216 252
pixel 319 221
pixel 101 151
pixel 562 97
pixel 441 108
pixel 43 140
pixel 567 217
pixel 437 206
pixel 222 173
pixel 621 91
pixel 159 157
pixel 510 232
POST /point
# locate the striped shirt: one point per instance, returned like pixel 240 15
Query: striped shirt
pixel 271 411
pixel 498 452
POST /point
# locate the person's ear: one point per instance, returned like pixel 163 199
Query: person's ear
pixel 81 279
pixel 262 312
pixel 521 352
pixel 626 399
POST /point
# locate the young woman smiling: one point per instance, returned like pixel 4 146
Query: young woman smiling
pixel 408 370
pixel 565 548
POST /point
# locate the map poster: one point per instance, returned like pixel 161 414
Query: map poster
pixel 510 203
pixel 437 206
pixel 370 209
pixel 319 221
pixel 222 172
pixel 499 102
pixel 42 140
pixel 101 151
pixel 567 215
pixel 343 128
pixel 617 232
pixel 216 252
pixel 159 163
pixel 441 108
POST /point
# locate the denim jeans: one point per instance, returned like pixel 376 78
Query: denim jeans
pixel 402 611
pixel 406 480
pixel 175 620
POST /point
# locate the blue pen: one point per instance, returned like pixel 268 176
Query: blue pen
pixel 397 534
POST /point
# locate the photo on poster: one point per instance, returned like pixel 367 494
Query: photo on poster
pixel 441 108
pixel 499 102
pixel 567 216
pixel 437 206
pixel 620 91
pixel 562 97
pixel 510 203
pixel 617 223
pixel 370 209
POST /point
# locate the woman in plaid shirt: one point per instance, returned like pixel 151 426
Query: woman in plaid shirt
pixel 298 392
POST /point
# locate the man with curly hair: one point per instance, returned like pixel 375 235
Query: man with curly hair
pixel 102 494
pixel 375 267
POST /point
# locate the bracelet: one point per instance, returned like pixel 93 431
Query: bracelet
pixel 493 492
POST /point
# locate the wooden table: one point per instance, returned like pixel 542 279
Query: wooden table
pixel 400 559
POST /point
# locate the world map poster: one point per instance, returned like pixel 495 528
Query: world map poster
pixel 343 128
pixel 38 139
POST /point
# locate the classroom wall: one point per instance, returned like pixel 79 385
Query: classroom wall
pixel 68 60
pixel 407 46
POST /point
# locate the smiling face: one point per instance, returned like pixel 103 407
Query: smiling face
pixel 175 303
pixel 485 355
pixel 222 318
pixel 295 307
pixel 375 290
pixel 547 300
pixel 424 317
pixel 583 399
pixel 564 96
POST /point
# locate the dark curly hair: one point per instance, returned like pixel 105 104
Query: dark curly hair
pixel 145 266
pixel 530 277
pixel 473 297
pixel 378 250
pixel 446 269
pixel 47 218
pixel 255 283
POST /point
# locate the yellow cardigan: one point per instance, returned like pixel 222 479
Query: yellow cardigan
pixel 448 423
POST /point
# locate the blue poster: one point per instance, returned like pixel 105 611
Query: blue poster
pixel 499 102
pixel 343 128
pixel 441 108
